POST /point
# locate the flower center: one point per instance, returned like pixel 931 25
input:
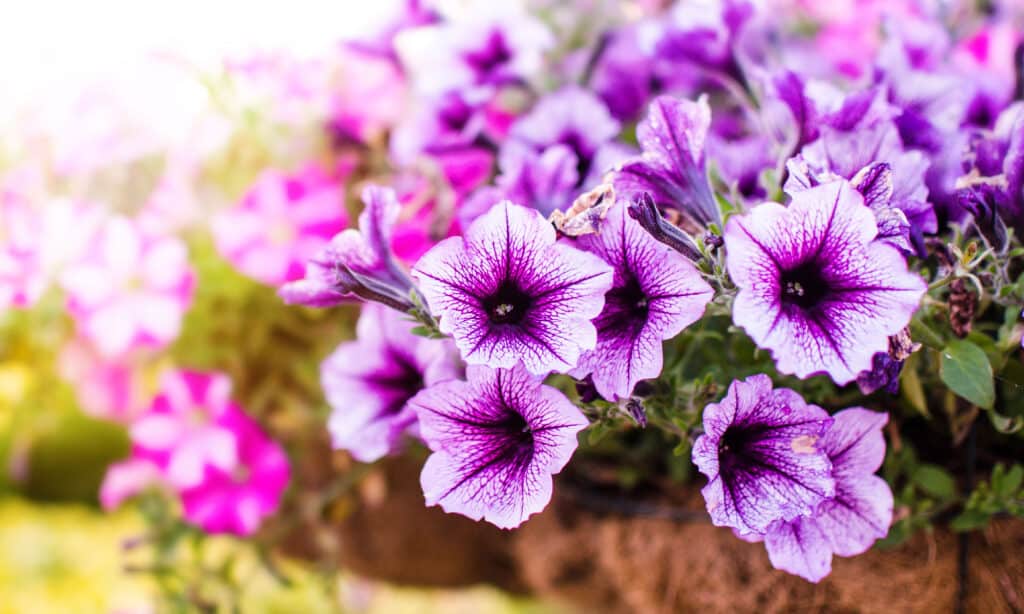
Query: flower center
pixel 241 474
pixel 803 286
pixel 625 309
pixel 494 54
pixel 508 305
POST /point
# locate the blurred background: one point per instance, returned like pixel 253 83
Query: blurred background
pixel 129 105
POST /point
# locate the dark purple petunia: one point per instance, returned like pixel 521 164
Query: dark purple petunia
pixel 815 288
pixel 496 440
pixel 357 264
pixel 761 452
pixel 860 512
pixel 508 292
pixel 369 381
pixel 656 293
pixel 671 168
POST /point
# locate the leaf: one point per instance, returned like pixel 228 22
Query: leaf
pixel 1006 424
pixel 911 387
pixel 967 372
pixel 970 520
pixel 1008 483
pixel 935 481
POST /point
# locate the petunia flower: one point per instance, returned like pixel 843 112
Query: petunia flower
pixel 508 292
pixel 574 118
pixel 130 291
pixel 238 499
pixel 483 44
pixel 184 429
pixel 671 168
pixel 762 454
pixel 368 382
pixel 282 221
pixel 656 293
pixel 859 513
pixel 496 440
pixel 357 264
pixel 891 179
pixel 814 286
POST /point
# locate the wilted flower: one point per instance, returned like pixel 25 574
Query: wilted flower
pixel 671 168
pixel 131 291
pixel 815 288
pixel 508 292
pixel 369 381
pixel 860 512
pixel 282 221
pixel 357 264
pixel 496 441
pixel 655 294
pixel 762 454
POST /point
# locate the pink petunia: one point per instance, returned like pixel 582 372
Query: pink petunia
pixel 282 221
pixel 131 291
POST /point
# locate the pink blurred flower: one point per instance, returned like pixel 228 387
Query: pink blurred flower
pixel 109 389
pixel 280 223
pixel 370 96
pixel 197 442
pixel 237 500
pixel 131 290
pixel 38 236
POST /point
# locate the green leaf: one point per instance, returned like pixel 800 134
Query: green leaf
pixel 935 481
pixel 1006 424
pixel 967 372
pixel 1007 484
pixel 970 520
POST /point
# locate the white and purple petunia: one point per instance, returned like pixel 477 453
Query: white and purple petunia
pixel 496 439
pixel 815 288
pixel 761 452
pixel 357 263
pixel 509 292
pixel 656 293
pixel 859 513
pixel 368 382
pixel 671 168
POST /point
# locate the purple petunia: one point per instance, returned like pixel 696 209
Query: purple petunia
pixel 671 168
pixel 656 293
pixel 762 455
pixel 507 292
pixel 859 513
pixel 496 439
pixel 814 286
pixel 369 381
pixel 357 263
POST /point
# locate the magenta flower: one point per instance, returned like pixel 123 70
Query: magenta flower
pixel 671 168
pixel 194 441
pixel 184 429
pixel 508 292
pixel 496 440
pixel 237 500
pixel 762 455
pixel 814 286
pixel 131 291
pixel 369 381
pixel 656 293
pixel 859 513
pixel 357 263
pixel 281 222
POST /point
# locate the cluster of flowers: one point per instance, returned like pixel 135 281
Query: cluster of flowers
pixel 628 258
pixel 197 443
pixel 555 210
